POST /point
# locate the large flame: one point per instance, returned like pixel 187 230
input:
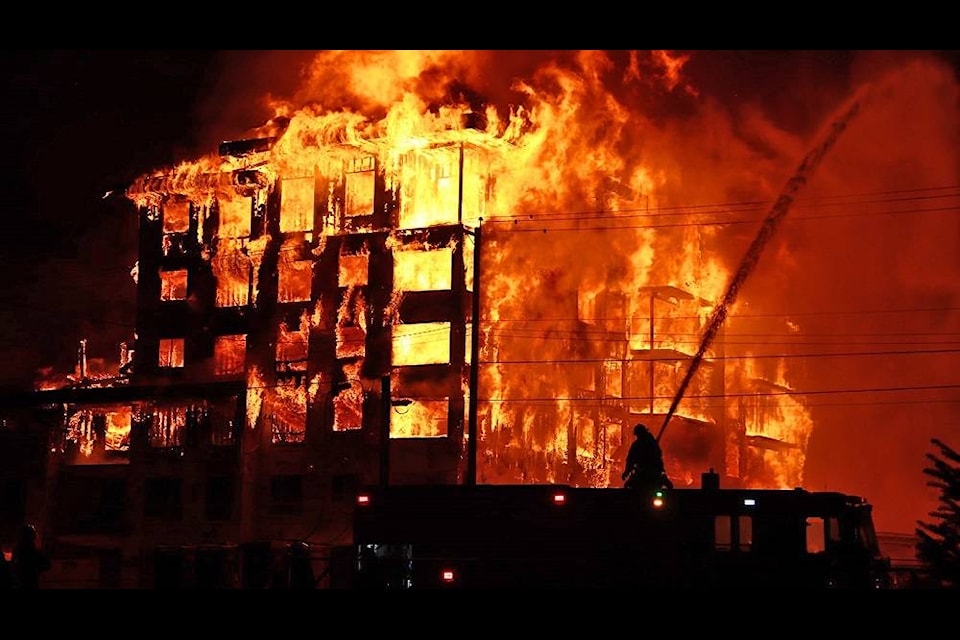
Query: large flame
pixel 597 275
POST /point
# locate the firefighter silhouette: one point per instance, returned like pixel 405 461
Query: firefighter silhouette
pixel 644 465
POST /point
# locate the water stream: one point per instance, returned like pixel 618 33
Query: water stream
pixel 770 224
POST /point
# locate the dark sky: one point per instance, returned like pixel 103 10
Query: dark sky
pixel 79 123
pixel 76 124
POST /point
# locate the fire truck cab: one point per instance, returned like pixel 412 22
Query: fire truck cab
pixel 558 536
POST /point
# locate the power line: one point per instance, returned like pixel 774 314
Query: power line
pixel 934 337
pixel 535 400
pixel 800 342
pixel 605 403
pixel 808 405
pixel 711 209
pixel 744 315
pixel 715 223
pixel 753 204
pixel 724 357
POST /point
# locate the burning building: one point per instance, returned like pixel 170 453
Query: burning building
pixel 343 300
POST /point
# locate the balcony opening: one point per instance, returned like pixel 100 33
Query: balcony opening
pixel 230 355
pixel 176 216
pixel 421 343
pixel 360 188
pixel 232 269
pixel 352 270
pixel 296 205
pixel 235 217
pixel 171 353
pixel 423 270
pixel 173 285
pixel 294 280
pixel 420 419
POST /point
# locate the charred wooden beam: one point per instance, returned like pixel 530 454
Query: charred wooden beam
pixel 186 183
pixel 238 148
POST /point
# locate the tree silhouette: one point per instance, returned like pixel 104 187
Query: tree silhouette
pixel 938 544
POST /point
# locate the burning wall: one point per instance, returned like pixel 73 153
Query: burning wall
pixel 93 434
pixel 101 433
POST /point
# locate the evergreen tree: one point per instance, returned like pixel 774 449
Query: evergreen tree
pixel 938 541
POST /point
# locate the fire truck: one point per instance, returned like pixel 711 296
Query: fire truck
pixel 559 536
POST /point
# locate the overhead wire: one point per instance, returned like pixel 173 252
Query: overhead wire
pixel 711 209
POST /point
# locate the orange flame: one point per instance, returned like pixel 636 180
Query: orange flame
pixel 591 307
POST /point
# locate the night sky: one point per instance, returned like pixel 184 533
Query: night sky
pixel 78 125
pixel 75 126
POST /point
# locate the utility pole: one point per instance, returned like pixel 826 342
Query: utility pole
pixel 652 367
pixel 386 408
pixel 471 478
pixel 460 187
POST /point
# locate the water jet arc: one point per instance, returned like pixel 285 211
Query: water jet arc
pixel 770 224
